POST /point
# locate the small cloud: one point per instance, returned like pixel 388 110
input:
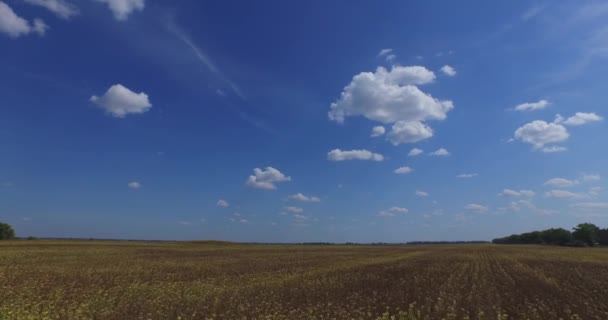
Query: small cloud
pixel 134 185
pixel 303 198
pixel 26 219
pixel 378 131
pixel 420 193
pixel 595 191
pixel 591 177
pixel 339 155
pixel 441 152
pixel 119 101
pixel 415 152
pixel 223 203
pixel 590 205
pixel 553 149
pixel 476 208
pixel 466 175
pixel 581 118
pixel 531 106
pixel 560 183
pixel 385 52
pixel 266 179
pixel 123 8
pixel 184 223
pixel 515 193
pixel 392 212
pixel 539 134
pixel 564 194
pixel 203 220
pixel 61 8
pixel 403 170
pixel 292 209
pixel 448 70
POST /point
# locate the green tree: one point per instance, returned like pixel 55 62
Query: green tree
pixel 587 233
pixel 557 236
pixel 6 231
pixel 603 237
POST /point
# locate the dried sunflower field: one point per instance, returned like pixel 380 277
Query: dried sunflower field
pixel 136 280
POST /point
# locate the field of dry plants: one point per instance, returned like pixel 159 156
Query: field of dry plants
pixel 136 280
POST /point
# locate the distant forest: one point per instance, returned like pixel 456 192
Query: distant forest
pixel 583 235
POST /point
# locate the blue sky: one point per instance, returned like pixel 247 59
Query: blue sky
pixel 280 121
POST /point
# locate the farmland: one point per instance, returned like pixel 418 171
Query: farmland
pixel 137 280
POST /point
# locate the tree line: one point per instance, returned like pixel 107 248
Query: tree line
pixel 583 235
pixel 6 231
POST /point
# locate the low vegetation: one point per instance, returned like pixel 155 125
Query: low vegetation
pixel 43 279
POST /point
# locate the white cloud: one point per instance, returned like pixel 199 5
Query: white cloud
pixel 420 193
pixel 378 131
pixel 590 205
pixel 409 132
pixel 466 175
pixel 441 152
pixel 476 207
pixel 531 106
pixel 403 170
pixel 303 198
pixel 595 191
pixel 134 185
pixel 266 179
pixel 515 193
pixel 581 118
pixel 15 26
pixel 560 183
pixel 119 101
pixel 591 177
pixel 539 133
pixel 123 8
pixel 294 209
pixel 447 70
pixel 392 97
pixel 339 155
pixel 415 152
pixel 223 203
pixel 564 194
pixel 384 52
pixel 61 8
pixel 392 212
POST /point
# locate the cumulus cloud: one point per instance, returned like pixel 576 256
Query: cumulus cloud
pixel 560 183
pixel 476 208
pixel 378 131
pixel 301 197
pixel 266 179
pixel 403 170
pixel 123 8
pixel 119 101
pixel 564 194
pixel 14 26
pixel 539 133
pixel 415 152
pixel 581 118
pixel 223 203
pixel 543 135
pixel 516 193
pixel 392 212
pixel 392 97
pixel 441 152
pixel 466 175
pixel 134 185
pixel 448 70
pixel 339 155
pixel 531 106
pixel 420 193
pixel 61 8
